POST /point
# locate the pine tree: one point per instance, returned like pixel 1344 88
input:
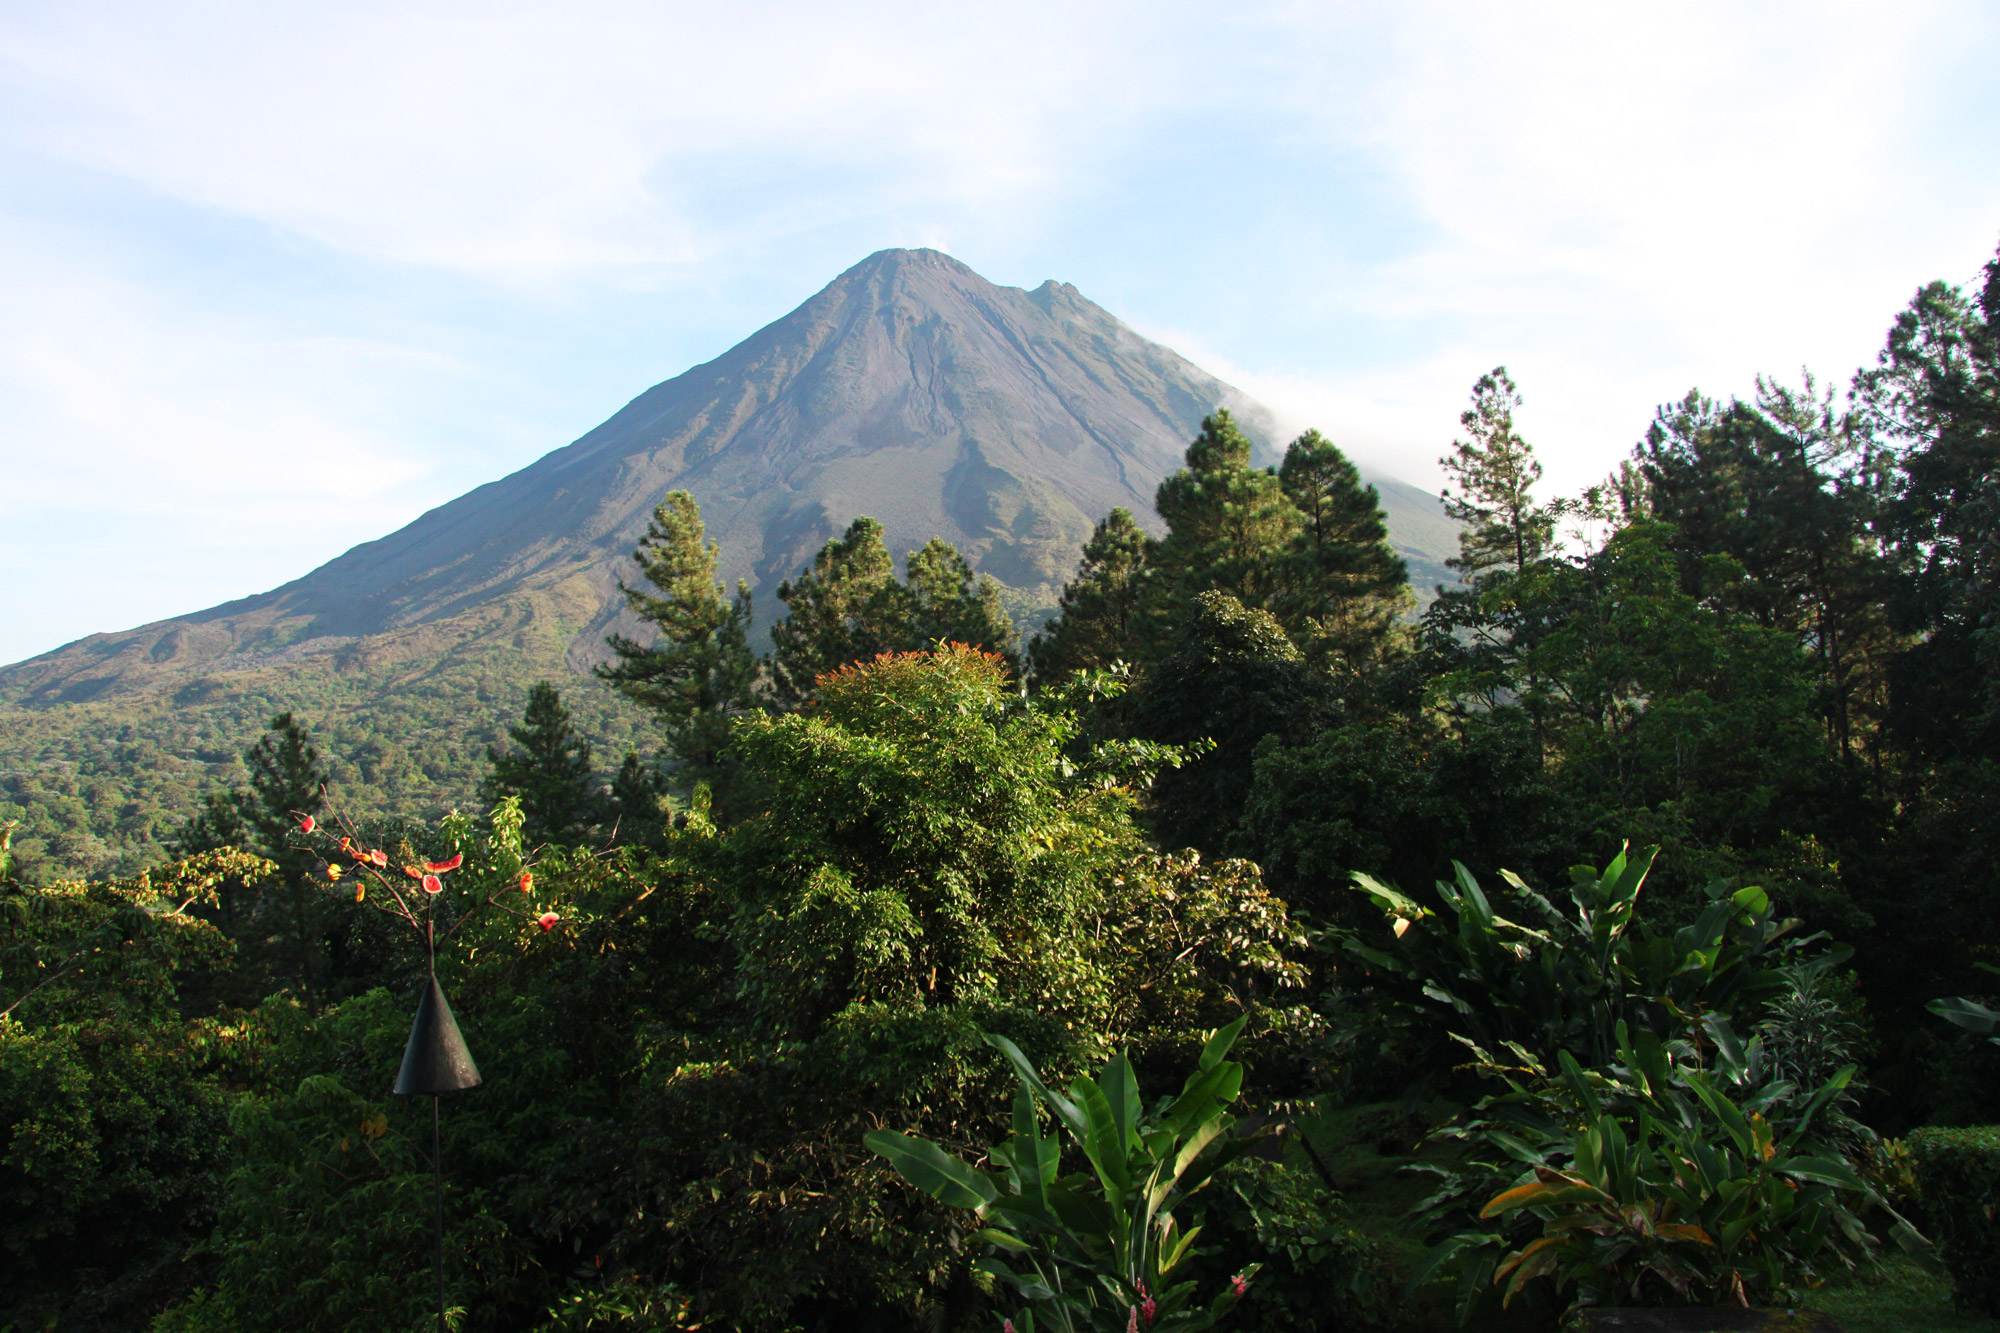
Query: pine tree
pixel 1228 526
pixel 549 771
pixel 1934 398
pixel 1345 585
pixel 844 608
pixel 848 606
pixel 940 603
pixel 1783 487
pixel 1097 622
pixel 1493 478
pixel 278 927
pixel 699 673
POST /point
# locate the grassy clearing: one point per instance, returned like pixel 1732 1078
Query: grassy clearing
pixel 1904 1298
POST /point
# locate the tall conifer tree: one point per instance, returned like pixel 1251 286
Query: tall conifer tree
pixel 941 602
pixel 1098 619
pixel 1493 476
pixel 699 673
pixel 1227 526
pixel 842 609
pixel 1345 585
pixel 549 771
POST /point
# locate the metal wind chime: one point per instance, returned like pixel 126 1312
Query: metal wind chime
pixel 435 1060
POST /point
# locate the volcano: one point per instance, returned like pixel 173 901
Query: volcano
pixel 910 389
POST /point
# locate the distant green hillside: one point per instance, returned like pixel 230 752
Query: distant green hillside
pixel 98 786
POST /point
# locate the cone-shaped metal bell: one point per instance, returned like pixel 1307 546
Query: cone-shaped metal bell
pixel 435 1059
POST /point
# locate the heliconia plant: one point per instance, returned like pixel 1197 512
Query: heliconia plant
pixel 1097 1248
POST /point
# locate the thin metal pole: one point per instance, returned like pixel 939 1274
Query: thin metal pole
pixel 437 1139
pixel 437 1199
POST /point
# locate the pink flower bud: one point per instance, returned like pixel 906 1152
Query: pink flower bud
pixel 307 825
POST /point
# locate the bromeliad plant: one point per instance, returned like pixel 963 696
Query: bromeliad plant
pixel 1096 1249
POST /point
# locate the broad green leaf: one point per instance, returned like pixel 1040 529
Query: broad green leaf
pixel 1103 1140
pixel 1219 1042
pixel 1121 1091
pixel 1025 1071
pixel 933 1170
pixel 1968 1014
pixel 1825 1170
pixel 1399 903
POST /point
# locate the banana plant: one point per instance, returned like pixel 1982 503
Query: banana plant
pixel 1098 1248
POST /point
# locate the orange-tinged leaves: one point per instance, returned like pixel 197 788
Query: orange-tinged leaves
pixel 379 857
pixel 1687 1231
pixel 527 881
pixel 1521 1196
pixel 432 884
pixel 1522 1255
pixel 445 867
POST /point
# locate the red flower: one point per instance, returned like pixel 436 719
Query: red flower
pixel 307 825
pixel 432 884
pixel 527 881
pixel 379 857
pixel 444 867
pixel 1240 1283
pixel 1146 1306
pixel 547 920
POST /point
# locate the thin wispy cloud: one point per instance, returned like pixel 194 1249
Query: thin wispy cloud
pixel 282 279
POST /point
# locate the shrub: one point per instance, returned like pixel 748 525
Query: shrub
pixel 1958 1172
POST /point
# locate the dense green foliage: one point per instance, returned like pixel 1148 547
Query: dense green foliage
pixel 859 889
pixel 1959 1173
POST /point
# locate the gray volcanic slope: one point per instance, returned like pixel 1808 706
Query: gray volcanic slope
pixel 911 389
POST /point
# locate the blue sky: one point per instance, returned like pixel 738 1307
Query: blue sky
pixel 280 278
